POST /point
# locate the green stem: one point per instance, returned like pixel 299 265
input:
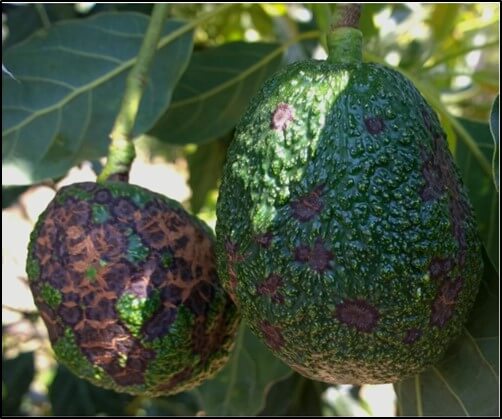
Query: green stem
pixel 121 152
pixel 345 41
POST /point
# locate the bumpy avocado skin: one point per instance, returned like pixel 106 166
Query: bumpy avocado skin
pixel 125 281
pixel 344 232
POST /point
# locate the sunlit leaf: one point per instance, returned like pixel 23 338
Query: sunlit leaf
pixel 443 20
pixel 241 387
pixel 71 80
pixel 494 128
pixel 215 90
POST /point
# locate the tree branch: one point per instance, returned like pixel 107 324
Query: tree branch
pixel 121 152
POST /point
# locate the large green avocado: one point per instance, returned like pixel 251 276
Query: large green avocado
pixel 125 281
pixel 344 232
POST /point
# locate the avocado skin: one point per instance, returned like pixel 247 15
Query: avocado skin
pixel 125 281
pixel 344 232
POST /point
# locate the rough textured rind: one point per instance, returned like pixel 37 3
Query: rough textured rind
pixel 125 280
pixel 344 232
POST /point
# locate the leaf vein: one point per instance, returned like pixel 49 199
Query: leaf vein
pixel 448 387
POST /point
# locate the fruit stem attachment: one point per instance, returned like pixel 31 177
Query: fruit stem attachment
pixel 121 152
pixel 345 41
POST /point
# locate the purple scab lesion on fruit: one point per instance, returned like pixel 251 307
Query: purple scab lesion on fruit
pixel 308 206
pixel 233 256
pixel 318 257
pixel 412 335
pixel 282 116
pixel 440 268
pixel 374 124
pixel 359 314
pixel 443 306
pixel 264 240
pixel 272 334
pixel 270 287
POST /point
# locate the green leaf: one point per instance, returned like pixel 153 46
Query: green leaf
pixel 480 187
pixel 23 21
pixel 72 396
pixel 367 24
pixel 295 396
pixel 215 90
pixel 465 382
pixel 241 387
pixel 205 166
pixel 17 375
pixel 494 128
pixel 70 84
pixel 11 194
pixel 181 404
pixel 322 17
pixel 443 20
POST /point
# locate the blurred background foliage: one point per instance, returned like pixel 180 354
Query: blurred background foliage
pixel 450 51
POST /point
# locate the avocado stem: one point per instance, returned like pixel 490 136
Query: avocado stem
pixel 345 40
pixel 121 152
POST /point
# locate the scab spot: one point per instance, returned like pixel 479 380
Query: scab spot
pixel 116 276
pixel 302 253
pixel 374 125
pixel 358 314
pixel 176 379
pixel 182 268
pixel 70 315
pixel 440 178
pixel 232 257
pixel 264 240
pixel 102 196
pixel 181 243
pixel 159 324
pixel 440 267
pixel 412 335
pixel 427 120
pixel 104 310
pixel 172 294
pixel 272 335
pixel 108 242
pixel 270 287
pixel 444 303
pixel 282 116
pixel 123 209
pixel 318 257
pixel 308 206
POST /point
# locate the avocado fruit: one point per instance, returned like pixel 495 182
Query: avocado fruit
pixel 125 281
pixel 344 232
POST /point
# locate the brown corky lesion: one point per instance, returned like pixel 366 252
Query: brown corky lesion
pixel 87 262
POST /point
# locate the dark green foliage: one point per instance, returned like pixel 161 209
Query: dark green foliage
pixel 17 374
pixel 71 396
